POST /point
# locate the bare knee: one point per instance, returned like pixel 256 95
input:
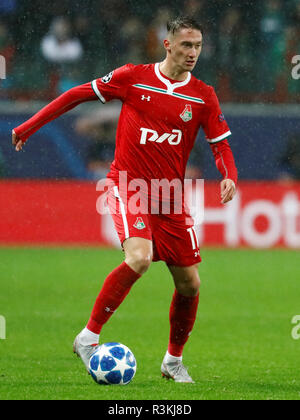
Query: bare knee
pixel 190 287
pixel 187 280
pixel 138 253
pixel 139 261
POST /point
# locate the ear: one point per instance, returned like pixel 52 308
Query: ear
pixel 167 45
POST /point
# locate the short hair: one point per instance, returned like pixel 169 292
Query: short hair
pixel 183 22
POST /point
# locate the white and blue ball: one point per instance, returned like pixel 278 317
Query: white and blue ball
pixel 112 364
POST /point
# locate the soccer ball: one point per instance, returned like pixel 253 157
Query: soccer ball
pixel 112 364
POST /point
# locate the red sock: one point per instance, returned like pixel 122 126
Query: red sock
pixel 114 290
pixel 183 313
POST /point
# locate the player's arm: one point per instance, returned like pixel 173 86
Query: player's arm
pixel 53 110
pixel 217 132
pixel 226 165
pixel 112 86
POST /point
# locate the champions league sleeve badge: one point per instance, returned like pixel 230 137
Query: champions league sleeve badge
pixel 221 117
pixel 107 78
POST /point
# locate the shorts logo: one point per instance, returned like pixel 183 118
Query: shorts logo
pixel 107 78
pixel 139 223
pixel 186 114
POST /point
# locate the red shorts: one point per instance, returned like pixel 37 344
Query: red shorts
pixel 173 235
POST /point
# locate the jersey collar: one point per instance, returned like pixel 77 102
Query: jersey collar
pixel 170 86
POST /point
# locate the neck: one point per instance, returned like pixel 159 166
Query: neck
pixel 172 71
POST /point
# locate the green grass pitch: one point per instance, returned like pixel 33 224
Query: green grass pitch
pixel 241 346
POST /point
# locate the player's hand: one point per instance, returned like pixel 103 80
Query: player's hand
pixel 228 190
pixel 16 141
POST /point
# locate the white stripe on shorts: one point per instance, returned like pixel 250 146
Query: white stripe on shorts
pixel 196 236
pixel 123 213
pixel 190 230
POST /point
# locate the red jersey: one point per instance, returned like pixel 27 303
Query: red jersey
pixel 159 120
pixel 158 124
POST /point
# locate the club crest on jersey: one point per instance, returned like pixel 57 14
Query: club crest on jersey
pixel 186 114
pixel 107 78
pixel 139 223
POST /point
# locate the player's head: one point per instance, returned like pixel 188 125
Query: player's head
pixel 184 42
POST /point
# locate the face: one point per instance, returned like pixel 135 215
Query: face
pixel 183 49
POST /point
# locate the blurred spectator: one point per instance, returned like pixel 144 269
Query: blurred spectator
pixel 58 46
pixel 7 50
pixel 290 159
pixel 132 41
pixel 246 52
pixel 272 20
pixel 195 8
pixel 228 32
pixel 107 22
pixel 64 51
pixel 206 68
pixel 226 48
pixel 271 45
pixel 7 47
pixel 83 30
pixel 236 64
pixel 90 41
pixel 156 34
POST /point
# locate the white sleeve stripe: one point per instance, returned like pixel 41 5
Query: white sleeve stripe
pixel 97 91
pixel 221 137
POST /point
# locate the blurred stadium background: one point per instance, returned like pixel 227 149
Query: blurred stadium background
pixel 249 55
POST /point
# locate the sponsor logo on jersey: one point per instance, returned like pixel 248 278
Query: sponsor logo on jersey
pixel 186 114
pixel 173 138
pixel 139 223
pixel 107 78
